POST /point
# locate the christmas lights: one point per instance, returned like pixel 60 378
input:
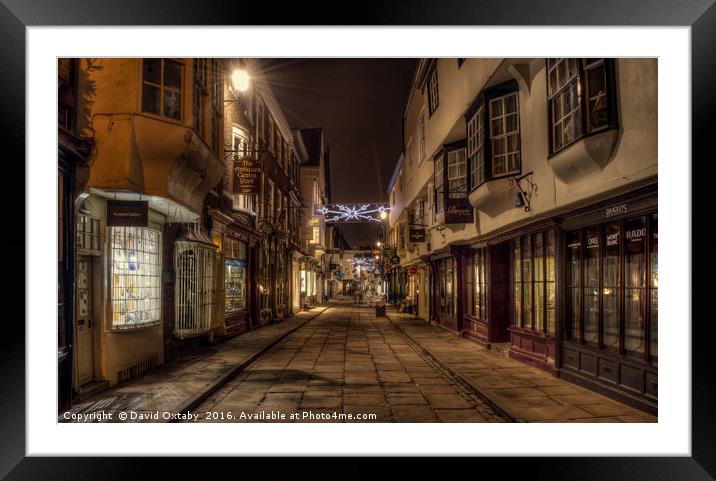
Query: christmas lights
pixel 352 212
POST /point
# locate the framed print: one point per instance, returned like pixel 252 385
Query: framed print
pixel 415 234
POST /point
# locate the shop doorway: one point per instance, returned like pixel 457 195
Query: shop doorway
pixel 85 322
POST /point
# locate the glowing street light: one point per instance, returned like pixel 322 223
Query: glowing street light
pixel 383 215
pixel 240 80
pixel 378 243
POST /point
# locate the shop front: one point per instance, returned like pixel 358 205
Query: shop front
pixel 487 299
pixel 447 297
pixel 610 309
pixel 533 295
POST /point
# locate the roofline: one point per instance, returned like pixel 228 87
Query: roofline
pixel 396 172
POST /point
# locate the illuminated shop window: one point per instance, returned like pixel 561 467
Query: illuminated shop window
pixel 534 281
pixel 135 280
pixel 618 306
pixel 235 264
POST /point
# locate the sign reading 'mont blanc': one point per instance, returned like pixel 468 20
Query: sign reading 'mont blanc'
pixel 247 176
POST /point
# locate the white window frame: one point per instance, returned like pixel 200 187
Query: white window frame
pixel 510 167
pixel 457 173
pixel 476 147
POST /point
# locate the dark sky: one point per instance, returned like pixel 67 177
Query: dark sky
pixel 359 103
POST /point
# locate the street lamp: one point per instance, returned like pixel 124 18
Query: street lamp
pixel 379 243
pixel 240 80
pixel 383 215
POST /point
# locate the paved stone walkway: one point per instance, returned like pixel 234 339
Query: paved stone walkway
pixel 182 383
pixel 342 364
pixel 525 393
pixel 346 363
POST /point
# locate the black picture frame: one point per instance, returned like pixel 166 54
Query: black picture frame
pixel 700 15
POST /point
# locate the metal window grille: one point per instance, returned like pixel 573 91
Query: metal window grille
pixel 195 295
pixel 135 280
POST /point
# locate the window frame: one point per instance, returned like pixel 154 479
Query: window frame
pixel 519 319
pixel 433 90
pixel 581 80
pixel 161 86
pixel 481 107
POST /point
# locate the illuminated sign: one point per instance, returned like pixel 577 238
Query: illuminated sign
pixel 352 212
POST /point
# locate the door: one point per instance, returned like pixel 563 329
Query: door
pixel 85 324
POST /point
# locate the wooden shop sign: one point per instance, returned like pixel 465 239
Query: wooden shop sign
pixel 416 235
pixel 458 211
pixel 127 213
pixel 247 176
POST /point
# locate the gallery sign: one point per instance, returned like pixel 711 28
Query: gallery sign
pixel 458 211
pixel 247 176
pixel 127 213
pixel 416 235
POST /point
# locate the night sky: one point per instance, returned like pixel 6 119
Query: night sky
pixel 359 103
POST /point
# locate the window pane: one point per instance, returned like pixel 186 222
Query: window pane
pixel 172 74
pixel 527 281
pixel 150 99
pixel 551 306
pixel 172 104
pixel 574 275
pixel 591 285
pixel 610 282
pixel 152 70
pixel 516 274
pixel 635 276
pixel 596 93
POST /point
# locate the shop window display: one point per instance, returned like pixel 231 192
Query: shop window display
pixel 135 276
pixel 534 281
pixel 620 298
pixel 235 265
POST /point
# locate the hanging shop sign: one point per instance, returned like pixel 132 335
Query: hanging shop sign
pixel 458 211
pixel 395 260
pixel 247 176
pixel 416 235
pixel 412 270
pixel 127 213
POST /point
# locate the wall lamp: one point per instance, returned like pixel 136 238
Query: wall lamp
pixel 524 196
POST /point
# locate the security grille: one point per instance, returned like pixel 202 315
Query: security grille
pixel 135 280
pixel 195 288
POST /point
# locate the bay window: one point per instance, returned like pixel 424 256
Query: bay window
pixel 581 99
pixel 135 276
pixel 534 281
pixel 493 134
pixel 612 286
pixel 162 87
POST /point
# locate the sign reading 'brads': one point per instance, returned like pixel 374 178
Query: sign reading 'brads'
pixel 247 176
pixel 127 213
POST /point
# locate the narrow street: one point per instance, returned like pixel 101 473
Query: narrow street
pixel 346 362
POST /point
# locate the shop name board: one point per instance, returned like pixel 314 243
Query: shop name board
pixel 636 234
pixel 416 235
pixel 458 211
pixel 243 219
pixel 127 213
pixel 616 210
pixel 247 176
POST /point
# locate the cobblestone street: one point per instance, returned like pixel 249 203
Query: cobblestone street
pixel 347 361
